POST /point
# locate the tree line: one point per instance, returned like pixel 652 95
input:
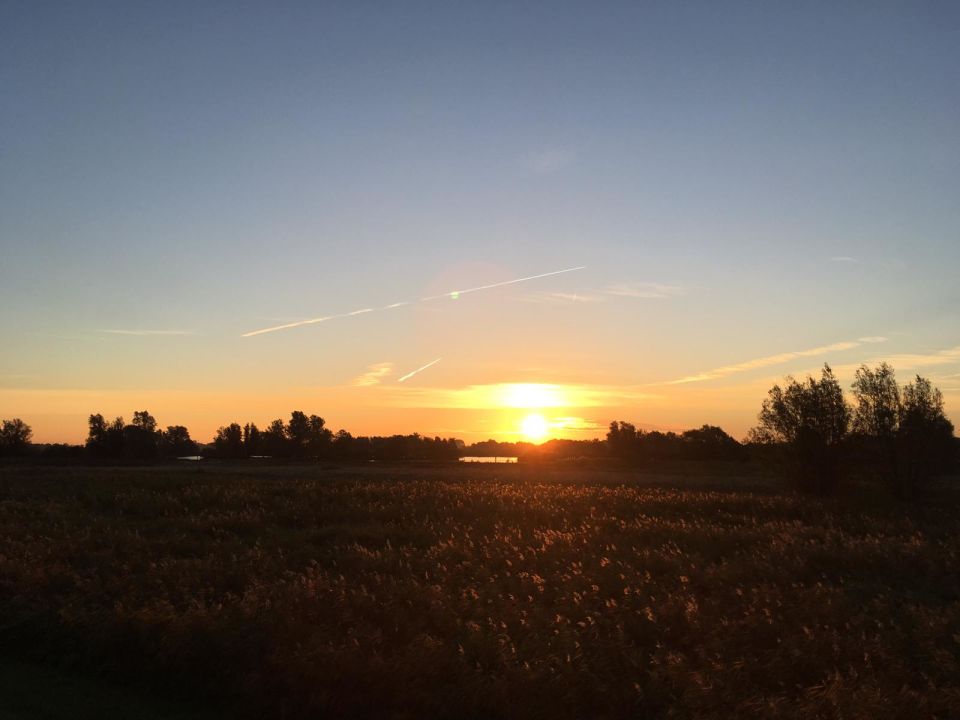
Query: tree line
pixel 308 438
pixel 634 446
pixel 141 439
pixel 899 433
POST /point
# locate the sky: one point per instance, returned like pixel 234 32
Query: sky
pixel 736 191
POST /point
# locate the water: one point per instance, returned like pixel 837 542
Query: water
pixel 476 459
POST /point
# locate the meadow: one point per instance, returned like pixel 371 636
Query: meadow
pixel 488 591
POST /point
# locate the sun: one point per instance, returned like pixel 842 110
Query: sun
pixel 535 427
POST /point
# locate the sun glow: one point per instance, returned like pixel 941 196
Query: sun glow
pixel 531 395
pixel 535 427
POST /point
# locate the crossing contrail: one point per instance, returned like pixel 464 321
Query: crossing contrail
pixel 452 295
pixel 419 369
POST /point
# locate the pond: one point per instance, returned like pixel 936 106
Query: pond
pixel 492 459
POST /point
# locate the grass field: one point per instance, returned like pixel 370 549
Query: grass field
pixel 469 592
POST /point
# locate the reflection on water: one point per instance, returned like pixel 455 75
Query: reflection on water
pixel 474 459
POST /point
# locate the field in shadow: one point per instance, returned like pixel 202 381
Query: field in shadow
pixel 296 591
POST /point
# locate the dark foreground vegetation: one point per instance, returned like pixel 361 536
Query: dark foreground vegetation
pixel 470 592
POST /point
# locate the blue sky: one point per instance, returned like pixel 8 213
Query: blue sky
pixel 787 175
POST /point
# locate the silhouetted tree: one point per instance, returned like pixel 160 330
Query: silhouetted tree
pixel 273 440
pixel 342 445
pixel 876 415
pixel 878 402
pixel 657 446
pixel 710 442
pixel 298 430
pixel 627 443
pixel 318 437
pixel 140 437
pixel 925 434
pixel 556 450
pixel 175 442
pixel 144 421
pixel 97 436
pixel 810 420
pixel 228 441
pixel 251 439
pixel 907 428
pixel 15 437
pixel 116 440
pixel 307 435
pixel 622 440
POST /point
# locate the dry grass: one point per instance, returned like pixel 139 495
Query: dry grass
pixel 479 592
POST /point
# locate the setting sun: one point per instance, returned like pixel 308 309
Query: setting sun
pixel 535 427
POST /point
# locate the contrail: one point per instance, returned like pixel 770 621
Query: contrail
pixel 419 369
pixel 457 293
pixel 453 295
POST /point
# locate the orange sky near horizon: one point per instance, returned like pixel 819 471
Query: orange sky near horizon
pixel 471 413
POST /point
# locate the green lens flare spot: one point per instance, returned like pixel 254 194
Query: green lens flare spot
pixel 454 295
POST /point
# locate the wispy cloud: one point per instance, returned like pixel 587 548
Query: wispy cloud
pixel 576 423
pixel 501 396
pixel 643 290
pixel 769 360
pixel 147 333
pixel 548 160
pixel 631 290
pixel 561 298
pixel 844 259
pixel 373 375
pixel 910 361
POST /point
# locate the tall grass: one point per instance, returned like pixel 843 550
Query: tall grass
pixel 483 592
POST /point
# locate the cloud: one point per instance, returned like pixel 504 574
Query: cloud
pixel 643 290
pixel 769 360
pixel 148 333
pixel 373 375
pixel 910 361
pixel 844 259
pixel 548 160
pixel 637 290
pixel 500 396
pixel 872 339
pixel 576 424
pixel 561 298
